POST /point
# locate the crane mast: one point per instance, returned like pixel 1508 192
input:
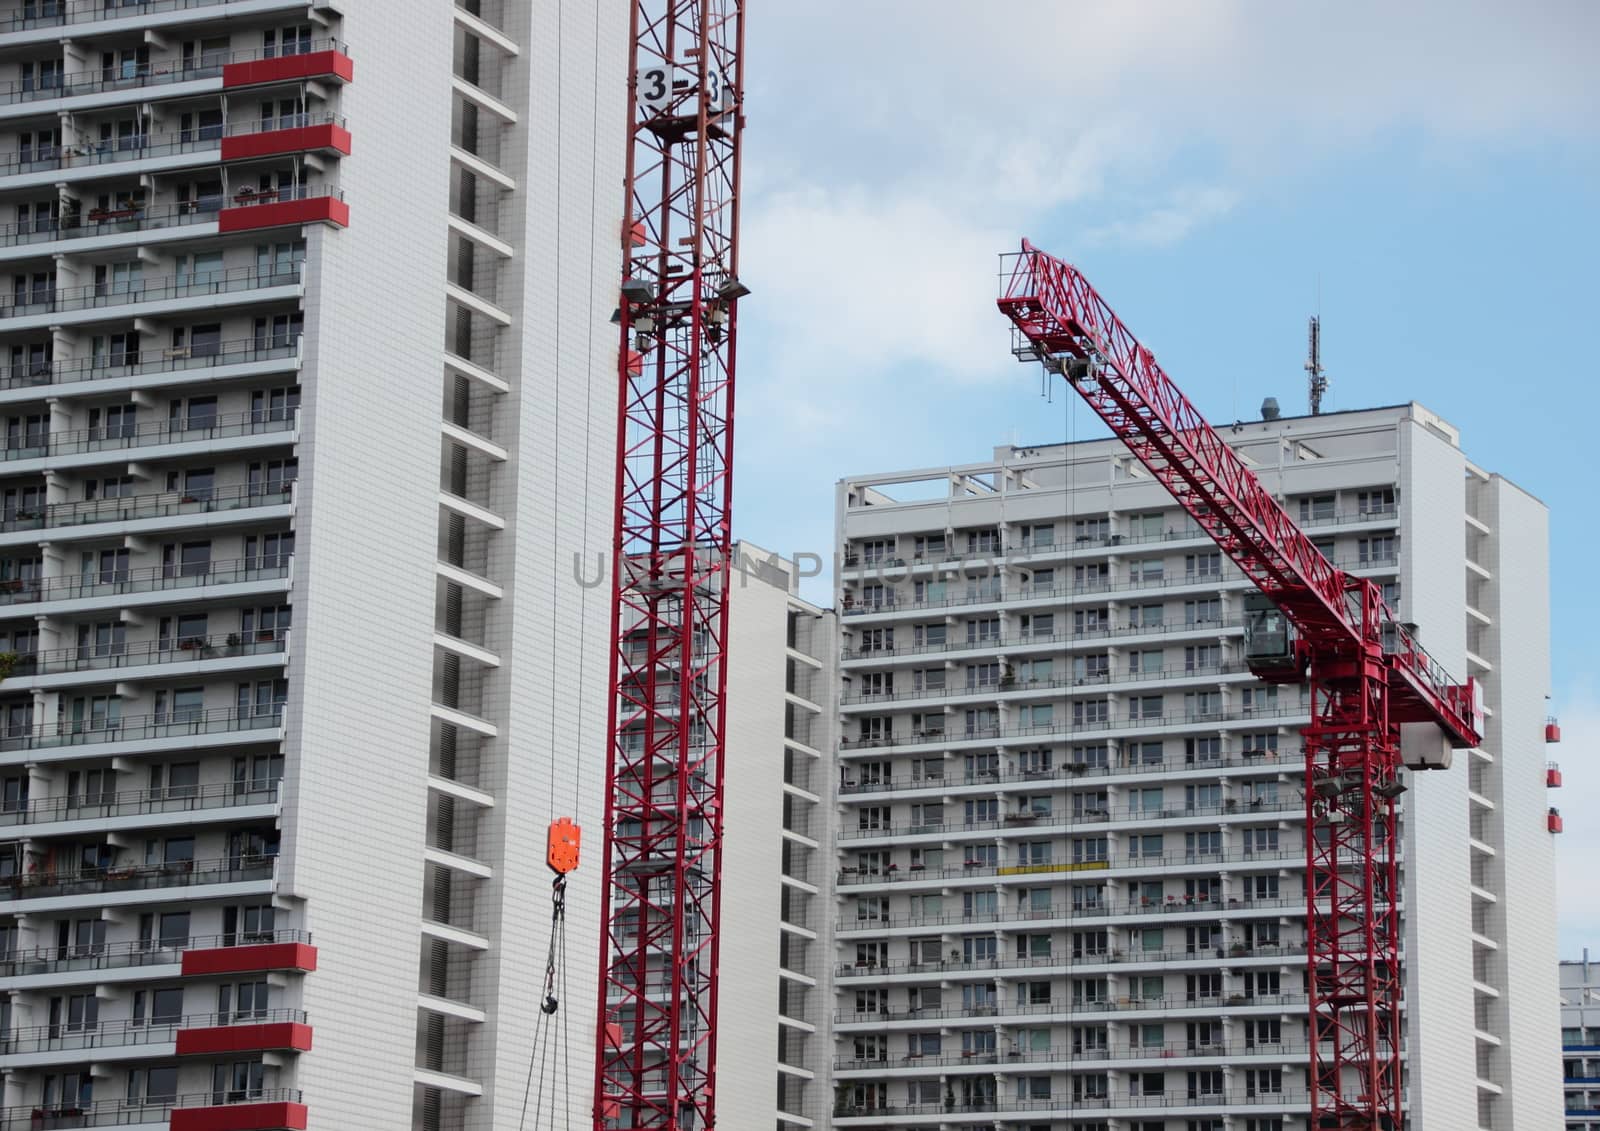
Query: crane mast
pixel 1378 701
pixel 655 1057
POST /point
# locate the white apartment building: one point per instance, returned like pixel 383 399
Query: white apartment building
pixel 310 410
pixel 1580 1043
pixel 774 956
pixel 1070 824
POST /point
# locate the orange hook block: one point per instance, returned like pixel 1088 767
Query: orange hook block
pixel 561 853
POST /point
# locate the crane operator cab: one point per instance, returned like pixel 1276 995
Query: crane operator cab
pixel 1270 648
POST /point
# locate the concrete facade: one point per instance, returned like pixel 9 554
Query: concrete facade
pixel 1070 824
pixel 1580 1043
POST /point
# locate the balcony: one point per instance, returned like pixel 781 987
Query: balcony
pixel 134 877
pixel 1013 688
pixel 42 307
pixel 241 503
pixel 1056 965
pixel 206 955
pixel 140 368
pixel 1076 730
pixel 275 1110
pixel 1063 1106
pixel 46 592
pixel 140 803
pixel 55 236
pixel 1097 914
pixel 987 1016
pixel 1172 861
pixel 1284 760
pixel 328 60
pixel 262 1030
pixel 286 207
pixel 149 658
pixel 1038 824
pixel 992 644
pixel 138 728
pixel 137 1034
pixel 1064 1057
pixel 298 133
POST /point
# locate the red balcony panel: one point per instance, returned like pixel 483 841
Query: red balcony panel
pixel 334 65
pixel 241 1117
pixel 325 137
pixel 244 1038
pixel 1552 731
pixel 285 213
pixel 249 959
pixel 1552 776
pixel 1553 821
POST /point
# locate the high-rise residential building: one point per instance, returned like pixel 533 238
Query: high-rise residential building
pixel 1580 1043
pixel 1071 824
pixel 771 1031
pixel 310 410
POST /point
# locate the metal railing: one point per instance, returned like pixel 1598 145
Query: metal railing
pixel 208 65
pixel 989 644
pixel 165 504
pixel 181 650
pixel 145 579
pixel 135 147
pixel 1068 1104
pixel 140 802
pixel 1233 759
pixel 137 877
pixel 987 1014
pixel 141 952
pixel 68 1035
pixel 1037 823
pixel 112 221
pixel 94 296
pixel 1003 686
pixel 266 347
pixel 1172 860
pixel 116 1113
pixel 1066 1055
pixel 1064 963
pixel 1062 912
pixel 1064 728
pixel 177 723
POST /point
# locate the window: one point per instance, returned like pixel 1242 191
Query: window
pixel 1090 712
pixel 1316 508
pixel 1207 565
pixel 1203 843
pixel 188 559
pixel 247 925
pixel 1146 616
pixel 241 1080
pixel 1202 704
pixel 262 700
pixel 1206 611
pixel 1377 550
pixel 1146 707
pixel 193 414
pixel 292 40
pixel 1263 841
pixel 1038 535
pixel 1259 700
pixel 1261 887
pixel 157 1007
pixel 1091 529
pixel 979 631
pixel 156 1085
pixel 1088 849
pixel 242 1000
pixel 181 705
pixel 1202 657
pixel 1147 572
pixel 1375 500
pixel 279 331
pixel 1146 661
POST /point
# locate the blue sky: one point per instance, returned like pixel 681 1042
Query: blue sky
pixel 1428 174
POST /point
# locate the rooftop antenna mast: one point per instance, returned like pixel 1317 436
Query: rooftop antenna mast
pixel 1318 379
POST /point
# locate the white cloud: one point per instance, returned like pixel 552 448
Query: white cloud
pixel 1169 223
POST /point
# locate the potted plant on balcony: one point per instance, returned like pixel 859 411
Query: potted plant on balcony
pixel 1237 950
pixel 8 663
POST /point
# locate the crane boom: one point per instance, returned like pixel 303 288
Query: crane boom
pixel 1367 675
pixel 655 1059
pixel 1060 318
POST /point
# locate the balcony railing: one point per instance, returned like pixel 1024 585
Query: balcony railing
pixel 182 650
pixel 266 347
pixel 112 221
pixel 1092 679
pixel 172 724
pixel 121 1034
pixel 1130 957
pixel 1034 824
pixel 137 877
pixel 1001 917
pixel 1066 1104
pixel 1215 627
pixel 209 65
pixel 141 952
pixel 96 296
pixel 1226 760
pixel 146 579
pixel 127 508
pixel 1064 728
pixel 140 802
pixel 987 1013
pixel 118 1113
pixel 1186 859
pixel 1028 1058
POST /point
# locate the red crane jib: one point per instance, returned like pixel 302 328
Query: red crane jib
pixel 1342 621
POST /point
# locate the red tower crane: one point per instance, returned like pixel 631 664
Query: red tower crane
pixel 1378 701
pixel 655 1061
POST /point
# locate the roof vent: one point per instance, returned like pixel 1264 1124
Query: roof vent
pixel 1269 409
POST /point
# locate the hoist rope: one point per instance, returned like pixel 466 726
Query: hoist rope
pixel 555 968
